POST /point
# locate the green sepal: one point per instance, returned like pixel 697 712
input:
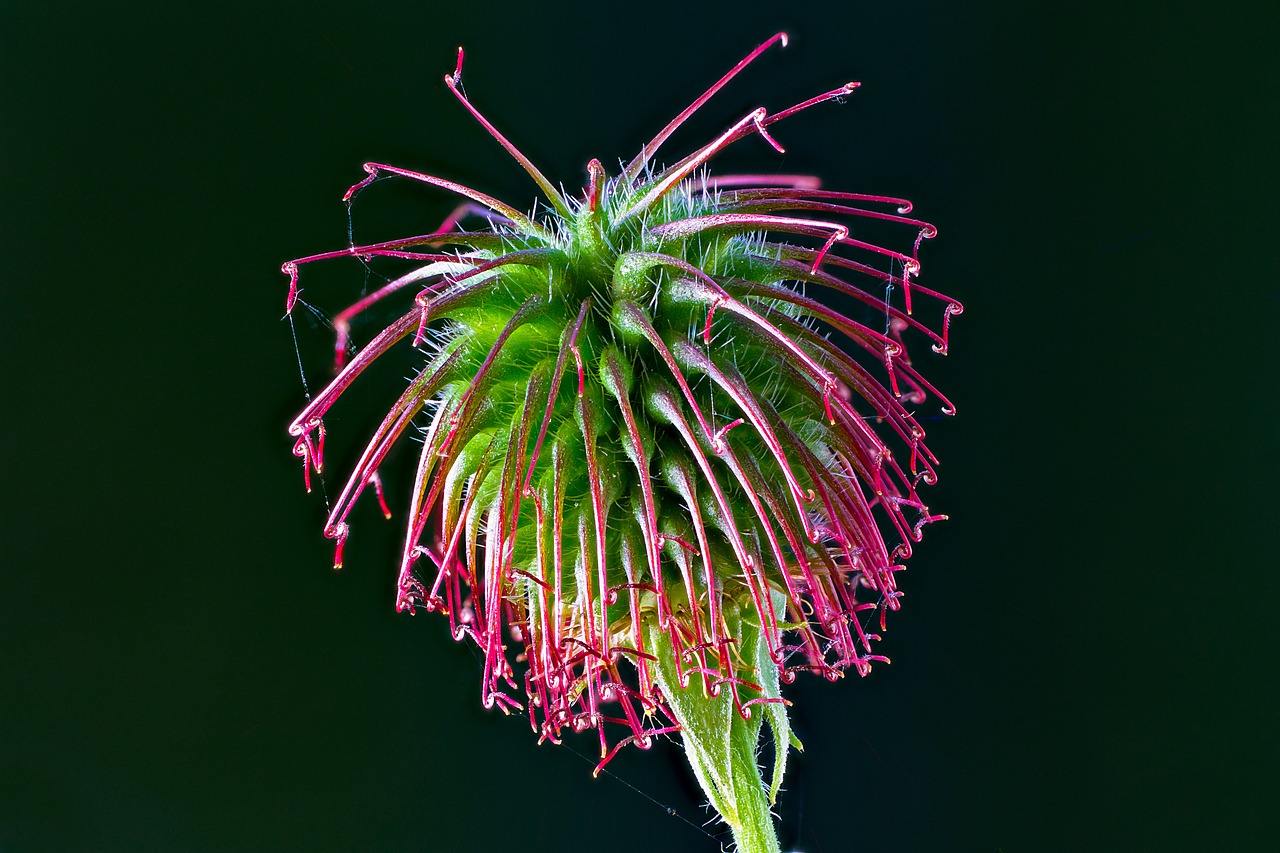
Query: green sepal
pixel 775 712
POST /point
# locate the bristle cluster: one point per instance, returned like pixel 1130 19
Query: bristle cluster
pixel 634 413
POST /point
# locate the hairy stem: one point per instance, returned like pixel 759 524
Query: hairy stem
pixel 721 748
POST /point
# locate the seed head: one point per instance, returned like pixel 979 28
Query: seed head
pixel 640 410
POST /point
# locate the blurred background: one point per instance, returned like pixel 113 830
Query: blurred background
pixel 1086 654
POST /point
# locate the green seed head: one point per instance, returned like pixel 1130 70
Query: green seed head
pixel 638 414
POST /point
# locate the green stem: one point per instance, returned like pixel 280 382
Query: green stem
pixel 753 830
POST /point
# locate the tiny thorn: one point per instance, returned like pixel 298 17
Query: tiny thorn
pixel 291 269
pixel 382 500
pixel 706 331
pixel 597 174
pixel 318 456
pixel 340 532
pixel 777 146
pixel 582 377
pixel 717 441
pixel 302 449
pixel 355 188
pixel 447 446
pixel 687 546
pixel 836 235
pixel 422 329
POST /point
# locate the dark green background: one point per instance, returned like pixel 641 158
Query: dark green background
pixel 1086 659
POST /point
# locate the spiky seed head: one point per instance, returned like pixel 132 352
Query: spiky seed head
pixel 635 414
